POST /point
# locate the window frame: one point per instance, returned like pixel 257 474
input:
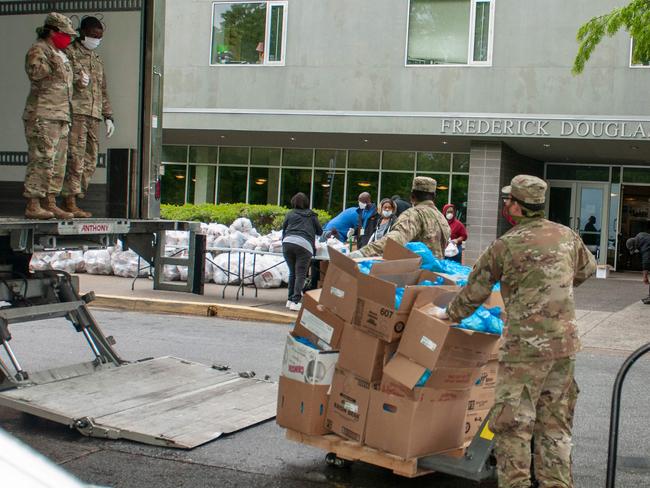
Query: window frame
pixel 267 31
pixel 632 65
pixel 470 42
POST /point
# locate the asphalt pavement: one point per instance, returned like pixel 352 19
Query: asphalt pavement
pixel 260 455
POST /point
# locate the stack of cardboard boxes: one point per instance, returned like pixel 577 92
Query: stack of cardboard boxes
pixel 396 379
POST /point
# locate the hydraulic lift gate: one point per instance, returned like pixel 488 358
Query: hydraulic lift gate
pixel 166 401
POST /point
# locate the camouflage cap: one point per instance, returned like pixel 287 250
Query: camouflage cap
pixel 424 183
pixel 527 189
pixel 61 22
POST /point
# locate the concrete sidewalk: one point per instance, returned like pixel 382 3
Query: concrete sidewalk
pixel 609 312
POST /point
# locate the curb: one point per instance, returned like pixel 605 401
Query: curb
pixel 155 305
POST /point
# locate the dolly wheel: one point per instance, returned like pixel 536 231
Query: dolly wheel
pixel 332 460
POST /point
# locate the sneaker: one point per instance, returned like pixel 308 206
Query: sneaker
pixel 288 304
pixel 295 307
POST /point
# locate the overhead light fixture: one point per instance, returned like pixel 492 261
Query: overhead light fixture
pixel 365 140
pixel 546 144
pixel 223 137
pixel 325 185
pixel 260 181
pixel 180 177
pixel 443 187
pixel 445 142
pixel 635 148
pixel 364 184
pixel 292 138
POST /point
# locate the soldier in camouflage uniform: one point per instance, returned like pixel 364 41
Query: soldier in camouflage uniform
pixel 538 263
pixel 423 222
pixel 90 105
pixel 47 117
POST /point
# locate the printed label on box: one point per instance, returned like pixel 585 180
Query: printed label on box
pixel 350 406
pixel 428 343
pixel 316 326
pixel 337 292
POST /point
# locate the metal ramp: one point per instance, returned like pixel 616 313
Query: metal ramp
pixel 166 402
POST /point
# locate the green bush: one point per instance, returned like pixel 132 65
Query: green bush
pixel 265 218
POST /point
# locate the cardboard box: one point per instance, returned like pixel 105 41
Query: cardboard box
pixel 302 406
pixel 306 364
pixel 316 323
pixel 487 377
pixel 401 376
pixel 363 354
pixel 473 421
pixel 341 286
pixel 409 428
pixel 347 410
pixel 480 398
pixel 432 343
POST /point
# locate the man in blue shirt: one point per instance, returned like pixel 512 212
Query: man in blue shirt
pixel 352 221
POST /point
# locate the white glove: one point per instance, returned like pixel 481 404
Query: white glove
pixel 355 254
pixel 85 79
pixel 350 232
pixel 110 128
pixel 439 313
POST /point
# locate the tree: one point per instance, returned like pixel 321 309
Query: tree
pixel 634 18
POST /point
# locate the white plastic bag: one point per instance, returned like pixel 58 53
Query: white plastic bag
pixel 98 262
pixel 68 261
pixel 451 250
pixel 126 264
pixel 40 261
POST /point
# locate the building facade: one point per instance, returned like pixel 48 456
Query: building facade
pixel 267 98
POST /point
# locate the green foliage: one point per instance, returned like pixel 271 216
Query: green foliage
pixel 634 18
pixel 265 218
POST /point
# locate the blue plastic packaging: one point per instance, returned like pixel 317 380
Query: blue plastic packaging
pixel 486 320
pixel 424 378
pixel 365 266
pixel 306 342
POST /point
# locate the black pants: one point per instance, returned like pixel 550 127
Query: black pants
pixel 298 259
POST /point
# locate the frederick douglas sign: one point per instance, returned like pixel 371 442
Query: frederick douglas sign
pixel 554 128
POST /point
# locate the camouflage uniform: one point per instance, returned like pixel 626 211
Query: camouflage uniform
pixel 90 105
pixel 423 223
pixel 538 263
pixel 47 118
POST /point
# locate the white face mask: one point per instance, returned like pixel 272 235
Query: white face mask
pixel 362 205
pixel 386 213
pixel 449 216
pixel 91 43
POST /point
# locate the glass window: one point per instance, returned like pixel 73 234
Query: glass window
pixel 637 59
pixel 174 154
pixel 330 158
pixel 432 161
pixel 461 163
pixel 396 184
pixel 233 155
pixel 636 175
pixel 577 172
pixel 172 184
pixel 614 201
pixel 203 154
pixel 263 186
pixel 232 184
pixel 201 184
pixel 398 160
pixel 363 159
pixel 264 156
pixel 358 182
pixel 297 157
pixel 616 174
pixel 328 190
pixel 241 30
pixel 442 188
pixel 449 32
pixel 459 190
pixel 293 181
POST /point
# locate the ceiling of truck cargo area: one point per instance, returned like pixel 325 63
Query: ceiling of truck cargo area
pixel 120 50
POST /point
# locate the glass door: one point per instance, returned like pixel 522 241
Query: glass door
pixel 582 207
